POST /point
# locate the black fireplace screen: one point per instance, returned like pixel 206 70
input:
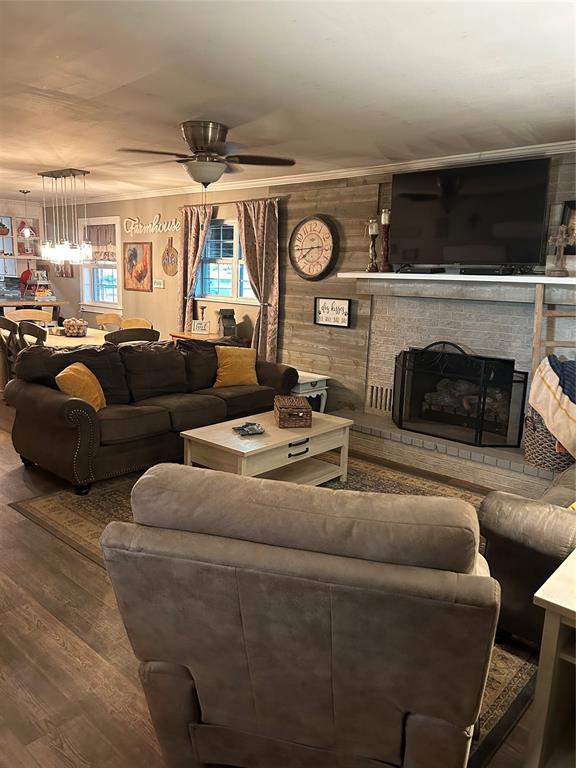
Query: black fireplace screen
pixel 442 391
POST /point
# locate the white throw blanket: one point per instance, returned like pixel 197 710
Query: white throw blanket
pixel 553 404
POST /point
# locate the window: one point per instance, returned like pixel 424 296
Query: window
pixel 100 278
pixel 223 272
pixel 100 285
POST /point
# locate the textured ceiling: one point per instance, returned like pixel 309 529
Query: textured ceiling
pixel 333 84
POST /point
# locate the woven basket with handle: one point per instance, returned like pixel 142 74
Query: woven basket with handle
pixel 290 412
pixel 540 445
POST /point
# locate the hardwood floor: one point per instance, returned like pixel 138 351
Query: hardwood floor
pixel 69 691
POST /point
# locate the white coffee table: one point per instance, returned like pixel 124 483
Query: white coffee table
pixel 278 454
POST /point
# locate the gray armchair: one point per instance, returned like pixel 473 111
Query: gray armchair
pixel 284 625
pixel 526 540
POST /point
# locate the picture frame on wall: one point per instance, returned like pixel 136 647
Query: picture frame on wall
pixel 569 220
pixel 137 267
pixel 333 312
pixel 65 269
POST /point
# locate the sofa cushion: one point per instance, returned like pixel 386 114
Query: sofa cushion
pixel 153 368
pixel 41 365
pixel 78 381
pixel 421 531
pixel 243 400
pixel 123 423
pixel 188 411
pixel 202 360
pixel 236 367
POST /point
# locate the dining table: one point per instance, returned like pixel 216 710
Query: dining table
pixel 93 336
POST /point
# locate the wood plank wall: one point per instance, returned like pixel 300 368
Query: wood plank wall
pixel 340 353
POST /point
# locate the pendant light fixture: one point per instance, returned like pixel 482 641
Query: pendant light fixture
pixel 24 230
pixel 63 241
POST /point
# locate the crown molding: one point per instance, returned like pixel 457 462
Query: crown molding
pixel 512 153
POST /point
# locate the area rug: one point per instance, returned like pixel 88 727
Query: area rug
pixel 79 521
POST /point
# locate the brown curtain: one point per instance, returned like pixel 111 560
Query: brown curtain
pixel 258 225
pixel 195 223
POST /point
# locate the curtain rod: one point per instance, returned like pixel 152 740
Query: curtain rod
pixel 232 202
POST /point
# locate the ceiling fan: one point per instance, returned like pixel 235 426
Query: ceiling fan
pixel 210 158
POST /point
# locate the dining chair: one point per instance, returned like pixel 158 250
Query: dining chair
pixel 29 329
pixel 136 322
pixel 110 321
pixel 132 334
pixel 38 316
pixel 9 348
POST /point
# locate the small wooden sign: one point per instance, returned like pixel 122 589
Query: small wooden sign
pixel 332 312
pixel 170 259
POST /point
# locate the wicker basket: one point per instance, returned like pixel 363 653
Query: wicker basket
pixel 75 327
pixel 540 445
pixel 292 412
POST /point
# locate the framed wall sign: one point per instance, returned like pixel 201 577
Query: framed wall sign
pixel 332 312
pixel 201 326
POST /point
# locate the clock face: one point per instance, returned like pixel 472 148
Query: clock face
pixel 312 248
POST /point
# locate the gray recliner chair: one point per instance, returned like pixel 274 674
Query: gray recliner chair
pixel 284 626
pixel 526 541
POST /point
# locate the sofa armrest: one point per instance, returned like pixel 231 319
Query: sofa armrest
pixel 58 432
pixel 173 704
pixel 537 525
pixel 41 402
pixel 280 377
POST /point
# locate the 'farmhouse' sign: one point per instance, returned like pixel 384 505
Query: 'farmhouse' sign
pixel 134 226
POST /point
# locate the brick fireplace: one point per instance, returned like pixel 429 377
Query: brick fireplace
pixel 485 327
pixel 493 317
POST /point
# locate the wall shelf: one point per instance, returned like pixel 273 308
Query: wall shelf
pixel 439 277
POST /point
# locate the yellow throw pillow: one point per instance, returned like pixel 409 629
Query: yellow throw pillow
pixel 78 381
pixel 236 365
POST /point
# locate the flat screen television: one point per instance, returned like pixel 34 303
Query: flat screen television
pixel 489 215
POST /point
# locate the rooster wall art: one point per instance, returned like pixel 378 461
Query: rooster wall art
pixel 138 266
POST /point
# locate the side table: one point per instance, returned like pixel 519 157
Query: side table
pixel 553 742
pixel 312 385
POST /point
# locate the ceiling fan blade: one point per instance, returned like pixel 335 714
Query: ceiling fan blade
pixel 153 152
pixel 232 169
pixel 259 160
pixel 227 148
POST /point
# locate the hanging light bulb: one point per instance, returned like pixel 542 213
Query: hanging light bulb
pixel 63 243
pixel 25 230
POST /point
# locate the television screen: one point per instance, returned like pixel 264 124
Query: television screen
pixel 491 214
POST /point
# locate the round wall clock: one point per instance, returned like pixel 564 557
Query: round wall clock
pixel 313 247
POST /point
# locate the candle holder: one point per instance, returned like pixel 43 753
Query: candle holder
pixel 373 234
pixel 385 265
pixel 560 241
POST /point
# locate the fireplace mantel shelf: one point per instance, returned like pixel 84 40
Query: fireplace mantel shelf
pixel 444 277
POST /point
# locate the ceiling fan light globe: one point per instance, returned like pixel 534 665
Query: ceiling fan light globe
pixel 205 171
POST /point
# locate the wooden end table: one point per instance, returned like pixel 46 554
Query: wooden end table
pixel 552 738
pixel 278 454
pixel 311 385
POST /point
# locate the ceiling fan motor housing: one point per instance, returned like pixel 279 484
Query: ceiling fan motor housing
pixel 203 134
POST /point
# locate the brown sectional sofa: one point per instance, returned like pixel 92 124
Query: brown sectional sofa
pixel 153 391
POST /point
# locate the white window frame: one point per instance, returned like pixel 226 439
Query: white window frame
pixel 91 305
pixel 236 263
